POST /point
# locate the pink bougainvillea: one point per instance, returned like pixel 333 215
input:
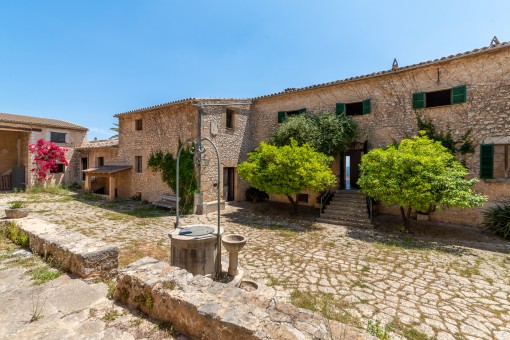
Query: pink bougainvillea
pixel 46 156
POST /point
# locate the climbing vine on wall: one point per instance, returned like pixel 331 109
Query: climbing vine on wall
pixel 461 146
pixel 166 164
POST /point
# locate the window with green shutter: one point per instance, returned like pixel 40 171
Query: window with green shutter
pixel 340 108
pixel 367 106
pixel 459 94
pixel 418 100
pixel 303 110
pixel 487 161
pixel 455 95
pixel 281 116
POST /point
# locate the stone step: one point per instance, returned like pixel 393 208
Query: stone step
pixel 346 223
pixel 347 208
pixel 342 203
pixel 349 193
pixel 355 219
pixel 353 214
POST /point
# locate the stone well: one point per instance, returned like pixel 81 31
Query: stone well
pixel 194 248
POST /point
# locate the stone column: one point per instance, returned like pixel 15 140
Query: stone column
pixel 87 181
pixel 111 187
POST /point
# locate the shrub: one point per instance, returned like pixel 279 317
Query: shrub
pixel 255 195
pixel 497 219
pixel 16 204
pixel 15 234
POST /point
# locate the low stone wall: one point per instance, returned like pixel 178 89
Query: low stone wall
pixel 203 309
pixel 73 252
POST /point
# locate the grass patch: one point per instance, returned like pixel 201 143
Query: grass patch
pixel 138 249
pixel 413 334
pixel 15 234
pixel 44 274
pixel 325 304
pixel 111 315
pixel 377 330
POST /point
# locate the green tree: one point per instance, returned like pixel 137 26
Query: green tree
pixel 166 163
pixel 116 130
pixel 287 170
pixel 416 174
pixel 327 133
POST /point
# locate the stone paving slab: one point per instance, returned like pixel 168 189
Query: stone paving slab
pixel 443 282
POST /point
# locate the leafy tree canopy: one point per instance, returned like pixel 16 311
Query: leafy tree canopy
pixel 416 174
pixel 327 133
pixel 287 170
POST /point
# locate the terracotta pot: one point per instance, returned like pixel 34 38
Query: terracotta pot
pixel 16 213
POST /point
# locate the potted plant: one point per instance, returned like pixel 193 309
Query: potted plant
pixel 16 210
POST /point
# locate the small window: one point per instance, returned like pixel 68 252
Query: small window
pixel 100 161
pixel 138 164
pixel 354 109
pixel 138 125
pixel 58 169
pixel 495 161
pixel 455 95
pixel 282 115
pixel 58 137
pixel 229 123
pixel 302 198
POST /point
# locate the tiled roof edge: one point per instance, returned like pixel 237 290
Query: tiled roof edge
pixel 382 73
pixel 190 100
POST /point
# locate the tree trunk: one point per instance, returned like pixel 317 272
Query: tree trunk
pixel 406 217
pixel 294 203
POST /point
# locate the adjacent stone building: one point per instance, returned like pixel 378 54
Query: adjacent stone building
pixel 467 91
pixel 18 132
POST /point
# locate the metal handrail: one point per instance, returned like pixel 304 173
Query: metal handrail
pixel 324 199
pixel 370 207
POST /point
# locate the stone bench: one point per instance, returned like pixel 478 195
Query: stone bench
pixel 167 201
pixel 204 309
pixel 71 251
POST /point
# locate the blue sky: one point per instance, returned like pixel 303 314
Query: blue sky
pixel 84 61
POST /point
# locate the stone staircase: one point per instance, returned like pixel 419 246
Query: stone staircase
pixel 347 208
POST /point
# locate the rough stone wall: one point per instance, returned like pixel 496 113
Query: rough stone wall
pixel 392 117
pixel 233 143
pixel 161 129
pixel 74 139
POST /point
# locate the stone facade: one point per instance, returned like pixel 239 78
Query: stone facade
pixel 485 73
pixel 12 133
pixel 487 78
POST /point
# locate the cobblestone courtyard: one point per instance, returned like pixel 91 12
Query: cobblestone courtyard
pixel 440 282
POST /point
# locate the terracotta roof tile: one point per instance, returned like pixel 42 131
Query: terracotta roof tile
pixel 380 73
pixel 108 169
pixel 191 100
pixel 98 144
pixel 19 119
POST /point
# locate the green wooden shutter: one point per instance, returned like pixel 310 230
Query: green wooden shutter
pixel 459 94
pixel 367 106
pixel 340 108
pixel 487 161
pixel 281 116
pixel 303 110
pixel 418 100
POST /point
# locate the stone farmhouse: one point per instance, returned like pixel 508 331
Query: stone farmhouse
pixel 17 132
pixel 460 92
